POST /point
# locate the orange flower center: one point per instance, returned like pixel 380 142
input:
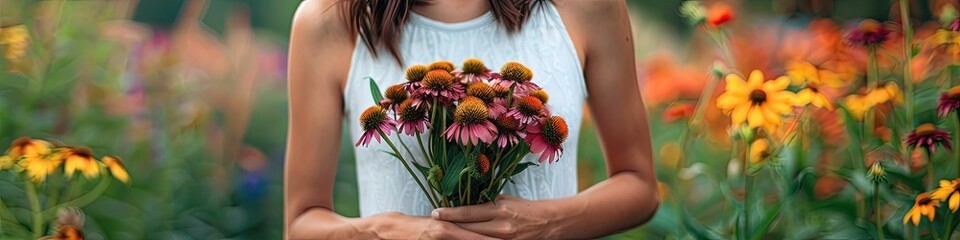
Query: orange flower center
pixel 470 111
pixel 483 163
pixel 437 80
pixel 474 66
pixel 442 65
pixel 555 130
pixel 371 118
pixel 508 123
pixel 926 129
pixel 481 90
pixel 758 97
pixel 501 91
pixel 416 73
pixel 407 112
pixel 529 105
pixel 870 25
pixel 540 94
pixel 516 72
pixel 396 93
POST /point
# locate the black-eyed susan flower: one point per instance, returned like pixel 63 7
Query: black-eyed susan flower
pixel 412 119
pixel 115 165
pixel 393 97
pixel 374 121
pixel 801 71
pixel 508 131
pixel 79 159
pixel 949 192
pixel 470 124
pixel 946 42
pixel 527 110
pixel 924 205
pixel 928 136
pixel 760 151
pixel 518 76
pixel 888 91
pixel 441 85
pixel 755 102
pixel 547 138
pixel 15 39
pixel 869 33
pixel 38 167
pixel 857 105
pixel 876 173
pixel 473 71
pixel 414 75
pixel 949 101
pixel 442 65
pixel 486 93
pixel 811 95
pixel 27 147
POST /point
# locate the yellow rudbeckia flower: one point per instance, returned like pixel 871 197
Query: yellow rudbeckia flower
pixel 760 151
pixel 949 191
pixel 924 205
pixel 80 159
pixel 116 168
pixel 756 102
pixel 38 167
pixel 811 95
pixel 805 72
pixel 16 39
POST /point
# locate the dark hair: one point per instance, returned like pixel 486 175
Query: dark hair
pixel 379 22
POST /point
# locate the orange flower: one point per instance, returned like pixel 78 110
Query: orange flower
pixel 678 111
pixel 718 14
pixel 80 159
pixel 116 168
pixel 924 205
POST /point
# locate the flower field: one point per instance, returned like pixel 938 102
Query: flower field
pixel 800 119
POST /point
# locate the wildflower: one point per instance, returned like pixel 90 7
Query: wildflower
pixel 508 131
pixel 857 105
pixel 393 97
pixel 38 167
pixel 412 119
pixel 718 14
pixel 949 191
pixel 877 174
pixel 470 123
pixel 886 92
pixel 69 225
pixel 927 136
pixel 414 75
pixel 946 42
pixel 80 159
pixel 924 205
pixel 483 164
pixel 758 103
pixel 528 110
pixel 805 72
pixel 540 94
pixel 811 95
pixel 518 76
pixel 868 33
pixel 27 147
pixel 473 71
pixel 547 138
pixel 488 95
pixel 442 65
pixel 439 84
pixel 693 11
pixel 374 121
pixel 16 38
pixel 760 151
pixel 949 101
pixel 116 168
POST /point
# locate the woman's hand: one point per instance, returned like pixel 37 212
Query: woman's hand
pixel 394 225
pixel 508 218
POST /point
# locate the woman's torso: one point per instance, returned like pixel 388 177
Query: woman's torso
pixel 543 44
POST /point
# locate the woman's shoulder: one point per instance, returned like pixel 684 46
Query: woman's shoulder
pixel 321 21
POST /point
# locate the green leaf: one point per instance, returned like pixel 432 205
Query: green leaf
pixel 423 169
pixel 375 91
pixel 451 175
pixel 694 227
pixel 767 222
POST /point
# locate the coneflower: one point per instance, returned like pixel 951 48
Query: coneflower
pixel 439 84
pixel 528 110
pixel 518 76
pixel 868 33
pixel 949 101
pixel 927 136
pixel 473 71
pixel 414 75
pixel 373 121
pixel 547 138
pixel 508 131
pixel 393 97
pixel 488 95
pixel 412 119
pixel 470 123
pixel 442 65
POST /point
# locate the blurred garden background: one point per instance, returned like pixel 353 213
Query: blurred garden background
pixel 191 95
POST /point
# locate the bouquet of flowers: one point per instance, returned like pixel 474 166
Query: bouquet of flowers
pixel 481 125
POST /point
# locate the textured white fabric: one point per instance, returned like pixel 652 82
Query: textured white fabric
pixel 543 45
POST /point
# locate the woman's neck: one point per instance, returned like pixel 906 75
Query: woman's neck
pixel 452 11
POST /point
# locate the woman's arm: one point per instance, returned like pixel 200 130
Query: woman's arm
pixel 629 196
pixel 320 51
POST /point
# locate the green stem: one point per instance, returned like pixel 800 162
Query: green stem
pixel 948 229
pixel 746 188
pixel 931 179
pixel 424 150
pixel 908 58
pixel 37 221
pixel 443 142
pixel 873 71
pixel 407 166
pixel 876 209
pixel 80 201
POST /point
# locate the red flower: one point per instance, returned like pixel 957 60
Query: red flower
pixel 677 112
pixel 868 33
pixel 949 101
pixel 719 14
pixel 928 136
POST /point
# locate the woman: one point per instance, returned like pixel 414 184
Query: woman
pixel 575 48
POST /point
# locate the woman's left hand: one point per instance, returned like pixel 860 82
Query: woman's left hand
pixel 508 218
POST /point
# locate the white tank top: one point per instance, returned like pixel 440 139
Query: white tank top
pixel 543 44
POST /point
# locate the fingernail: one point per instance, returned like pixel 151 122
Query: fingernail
pixel 435 214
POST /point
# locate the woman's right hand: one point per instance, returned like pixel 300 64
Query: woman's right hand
pixel 395 225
